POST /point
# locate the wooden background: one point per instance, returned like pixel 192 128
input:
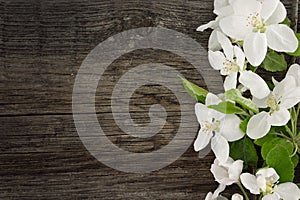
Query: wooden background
pixel 42 45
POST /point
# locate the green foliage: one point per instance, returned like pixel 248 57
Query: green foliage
pixel 286 21
pixel 275 142
pixel 297 52
pixel 227 107
pixel 274 62
pixel 267 138
pixel 235 95
pixel 279 159
pixel 295 160
pixel 195 91
pixel 244 149
pixel 244 123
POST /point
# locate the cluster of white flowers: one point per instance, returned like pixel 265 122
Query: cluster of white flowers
pixel 243 32
pixel 264 182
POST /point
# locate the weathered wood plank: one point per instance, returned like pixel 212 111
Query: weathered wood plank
pixel 42 45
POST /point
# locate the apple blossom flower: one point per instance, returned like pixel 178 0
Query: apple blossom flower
pixel 266 182
pixel 284 96
pixel 217 128
pixel 216 195
pixel 222 8
pixel 228 172
pixel 257 24
pixel 232 62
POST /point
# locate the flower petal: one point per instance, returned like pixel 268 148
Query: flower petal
pixel 261 182
pixel 294 71
pixel 278 15
pixel 237 197
pixel 216 59
pixel 224 11
pixel 230 128
pixel 255 48
pixel 261 103
pixel 202 112
pixel 288 191
pixel 245 8
pixel 280 117
pixel 213 43
pixel 269 174
pixel 220 173
pixel 209 196
pixel 268 8
pixel 258 87
pixel 212 24
pixel 257 126
pixel 288 90
pixel 273 196
pixel 226 45
pixel 235 26
pixel 281 38
pixel 220 189
pixel 202 140
pixel 249 182
pixel 220 147
pixel 220 4
pixel 230 81
pixel 235 170
pixel 212 99
pixel 240 57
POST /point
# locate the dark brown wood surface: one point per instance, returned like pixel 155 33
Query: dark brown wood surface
pixel 42 45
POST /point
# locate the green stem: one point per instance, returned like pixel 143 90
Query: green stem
pixel 284 136
pixel 243 191
pixel 287 128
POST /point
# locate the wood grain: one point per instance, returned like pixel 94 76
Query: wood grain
pixel 42 45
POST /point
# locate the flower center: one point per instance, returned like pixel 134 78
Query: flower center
pixel 211 126
pixel 274 104
pixel 255 21
pixel 230 66
pixel 269 188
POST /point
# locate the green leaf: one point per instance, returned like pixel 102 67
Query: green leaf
pixel 286 21
pixel 297 52
pixel 275 142
pixel 279 159
pixel 295 160
pixel 244 123
pixel 267 138
pixel 244 150
pixel 274 62
pixel 235 95
pixel 195 91
pixel 227 107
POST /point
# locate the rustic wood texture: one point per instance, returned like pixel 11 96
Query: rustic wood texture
pixel 42 45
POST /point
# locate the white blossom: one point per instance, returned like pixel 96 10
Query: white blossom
pixel 222 8
pixel 257 24
pixel 227 173
pixel 217 128
pixel 284 96
pixel 266 182
pixel 231 63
